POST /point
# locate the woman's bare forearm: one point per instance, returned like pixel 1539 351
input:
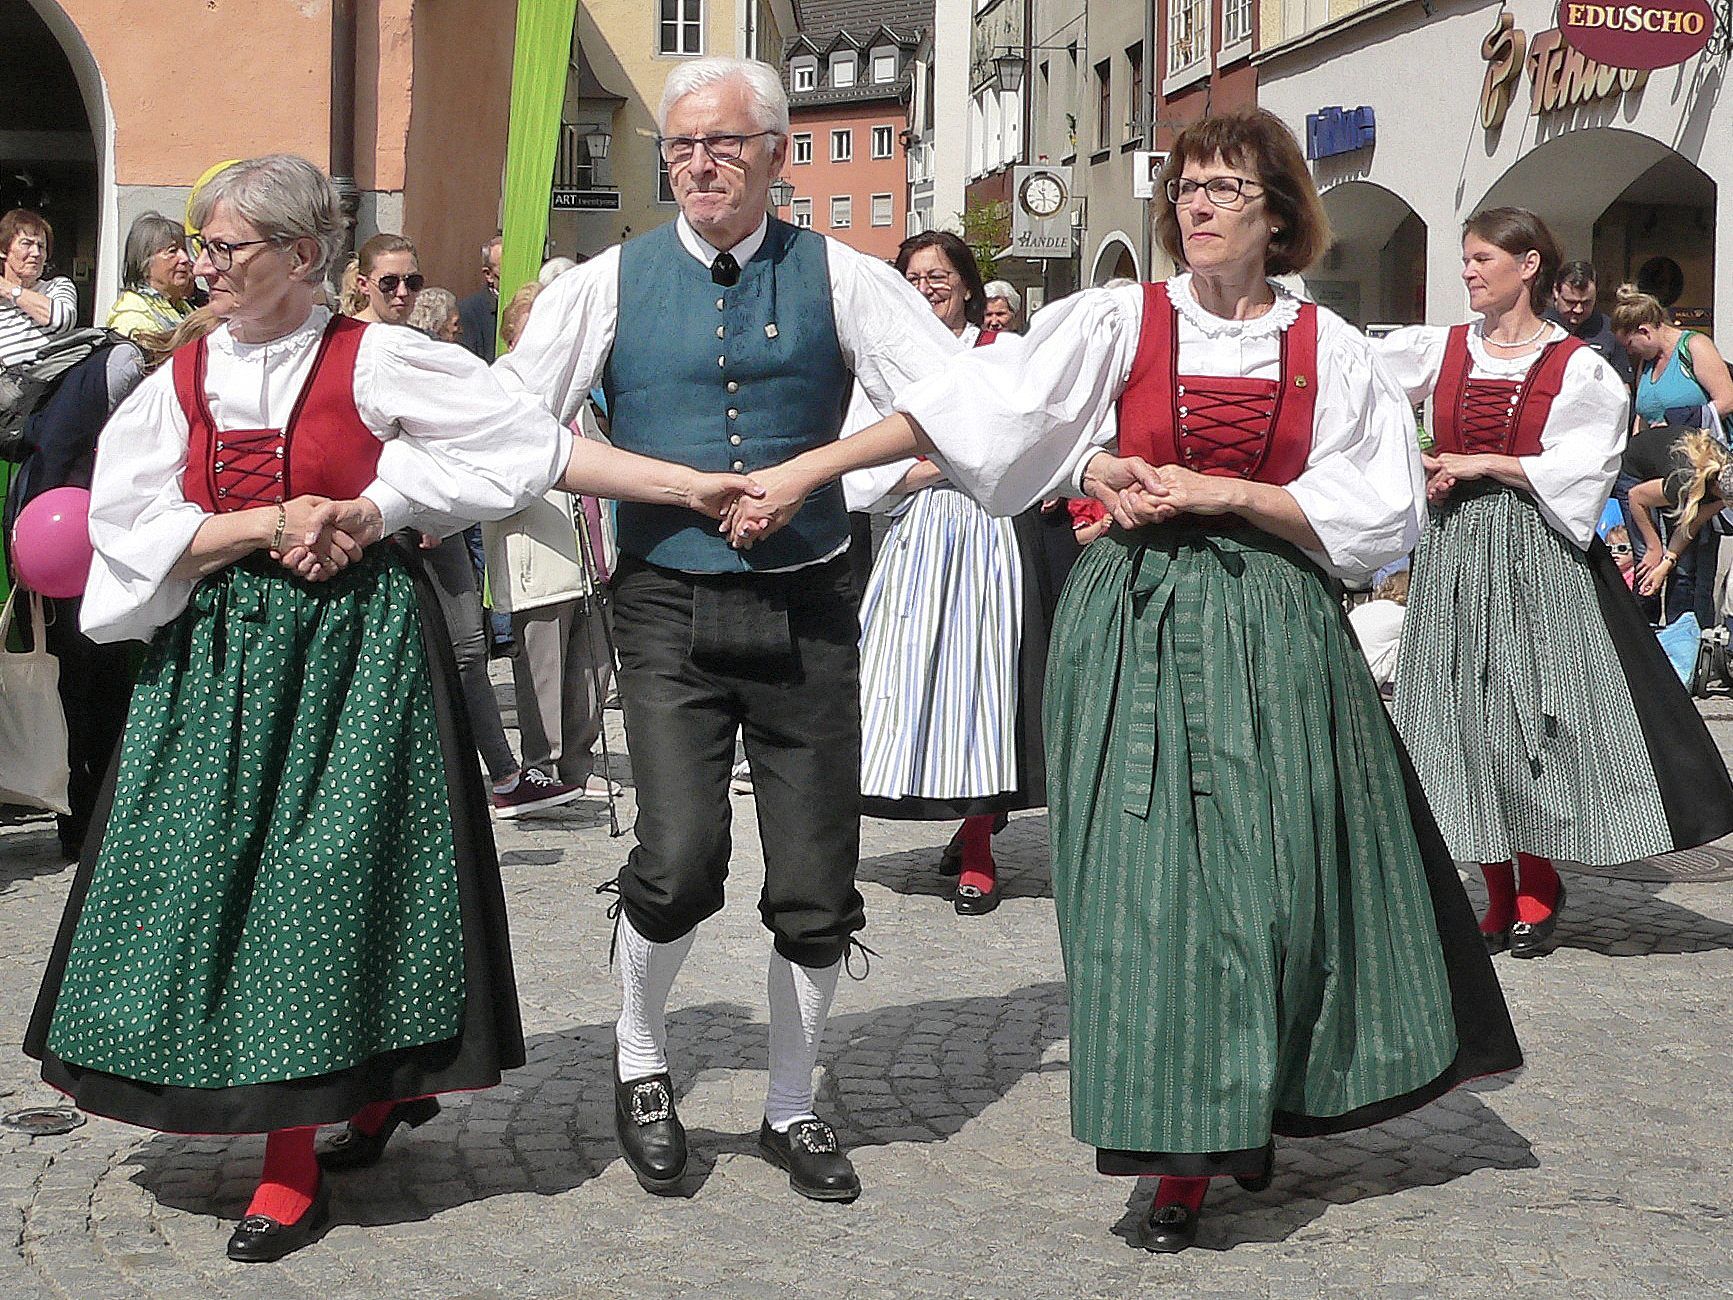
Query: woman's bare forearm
pixel 223 539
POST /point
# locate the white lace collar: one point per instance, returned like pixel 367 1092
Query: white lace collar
pixel 1494 363
pixel 1282 313
pixel 222 340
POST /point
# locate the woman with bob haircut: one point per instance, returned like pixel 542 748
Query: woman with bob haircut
pixel 288 912
pixel 1263 932
pixel 159 278
pixel 1541 713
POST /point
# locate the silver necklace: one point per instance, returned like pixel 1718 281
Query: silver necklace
pixel 1522 343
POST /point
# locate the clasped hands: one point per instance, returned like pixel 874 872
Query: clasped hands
pixel 1138 493
pixel 321 537
pixel 1445 470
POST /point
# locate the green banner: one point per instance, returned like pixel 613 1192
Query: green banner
pixel 538 94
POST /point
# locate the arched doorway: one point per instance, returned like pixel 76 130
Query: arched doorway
pixel 55 155
pixel 1375 271
pixel 1622 200
pixel 1114 260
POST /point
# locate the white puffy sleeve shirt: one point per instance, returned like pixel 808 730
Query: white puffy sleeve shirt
pixel 1581 441
pixel 456 449
pixel 1019 421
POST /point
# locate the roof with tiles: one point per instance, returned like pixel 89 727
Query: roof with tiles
pixel 833 26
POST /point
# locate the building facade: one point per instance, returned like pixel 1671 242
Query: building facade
pixel 1628 168
pixel 851 76
pixel 110 109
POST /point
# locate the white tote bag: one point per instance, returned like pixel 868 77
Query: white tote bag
pixel 33 766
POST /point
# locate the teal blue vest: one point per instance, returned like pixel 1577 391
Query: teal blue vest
pixel 737 378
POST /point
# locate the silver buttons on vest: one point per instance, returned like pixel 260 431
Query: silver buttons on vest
pixel 733 413
pixel 733 386
pixel 739 464
pixel 721 305
pixel 721 332
pixel 734 438
pixel 722 361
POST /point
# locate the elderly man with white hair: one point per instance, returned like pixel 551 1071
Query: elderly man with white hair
pixel 1004 307
pixel 727 340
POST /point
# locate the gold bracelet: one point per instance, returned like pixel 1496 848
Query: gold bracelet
pixel 282 523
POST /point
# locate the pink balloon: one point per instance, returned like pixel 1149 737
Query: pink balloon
pixel 51 543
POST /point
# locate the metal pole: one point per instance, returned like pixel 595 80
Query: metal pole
pixel 343 34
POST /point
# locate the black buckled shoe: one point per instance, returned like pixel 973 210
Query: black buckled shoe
pixel 970 901
pixel 1496 940
pixel 808 1151
pixel 1260 1181
pixel 260 1239
pixel 1537 940
pixel 652 1139
pixel 353 1149
pixel 1170 1229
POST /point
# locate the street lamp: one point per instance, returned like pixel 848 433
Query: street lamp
pixel 1008 69
pixel 781 193
pixel 596 140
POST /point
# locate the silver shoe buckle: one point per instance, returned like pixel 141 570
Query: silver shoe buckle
pixel 650 1102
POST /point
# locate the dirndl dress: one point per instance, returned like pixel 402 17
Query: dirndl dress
pixel 289 904
pixel 1538 706
pixel 1262 930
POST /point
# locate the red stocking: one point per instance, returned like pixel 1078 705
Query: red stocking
pixel 290 1177
pixel 1500 896
pixel 1538 897
pixel 370 1119
pixel 1188 1192
pixel 979 868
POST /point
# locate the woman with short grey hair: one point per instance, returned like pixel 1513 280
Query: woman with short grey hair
pixel 1004 306
pixel 435 315
pixel 290 912
pixel 158 277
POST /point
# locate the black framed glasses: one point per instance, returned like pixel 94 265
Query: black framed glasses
pixel 388 283
pixel 221 252
pixel 1223 191
pixel 721 148
pixel 1620 548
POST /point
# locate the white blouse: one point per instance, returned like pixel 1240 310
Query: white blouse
pixel 875 489
pixel 1581 441
pixel 457 448
pixel 1019 421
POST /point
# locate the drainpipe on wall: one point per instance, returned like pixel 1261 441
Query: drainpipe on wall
pixel 1151 79
pixel 343 116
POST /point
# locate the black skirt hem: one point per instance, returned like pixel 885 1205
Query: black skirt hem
pixel 914 808
pixel 492 1037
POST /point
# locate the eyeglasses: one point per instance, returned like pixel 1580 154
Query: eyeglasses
pixel 721 148
pixel 221 252
pixel 1620 548
pixel 935 278
pixel 388 283
pixel 1223 191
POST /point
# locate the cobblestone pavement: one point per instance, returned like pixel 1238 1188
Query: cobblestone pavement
pixel 1602 1170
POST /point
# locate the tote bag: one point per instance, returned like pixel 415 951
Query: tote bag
pixel 33 766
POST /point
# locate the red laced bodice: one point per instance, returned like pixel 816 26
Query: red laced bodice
pixel 325 448
pixel 1497 416
pixel 1225 425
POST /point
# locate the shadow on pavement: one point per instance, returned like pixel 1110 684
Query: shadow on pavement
pixel 1625 918
pixel 897 1074
pixel 1446 1140
pixel 28 853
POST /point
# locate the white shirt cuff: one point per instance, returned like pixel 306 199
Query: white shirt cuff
pixel 394 508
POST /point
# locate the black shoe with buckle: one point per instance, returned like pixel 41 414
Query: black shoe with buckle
pixel 353 1149
pixel 808 1151
pixel 1536 940
pixel 651 1136
pixel 260 1239
pixel 1170 1229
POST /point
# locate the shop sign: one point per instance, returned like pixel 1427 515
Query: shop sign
pixel 1041 212
pixel 1560 76
pixel 1334 131
pixel 1651 34
pixel 586 200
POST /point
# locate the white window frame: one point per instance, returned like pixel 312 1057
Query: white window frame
pixel 1236 22
pixel 887 204
pixel 840 62
pixel 841 205
pixel 842 146
pixel 801 147
pixel 800 212
pixel 888 136
pixel 882 55
pixel 1187 35
pixel 687 28
pixel 805 75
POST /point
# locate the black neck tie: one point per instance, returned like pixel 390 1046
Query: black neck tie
pixel 725 271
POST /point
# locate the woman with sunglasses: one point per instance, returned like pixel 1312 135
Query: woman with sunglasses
pixel 388 279
pixel 1540 712
pixel 1262 930
pixel 289 912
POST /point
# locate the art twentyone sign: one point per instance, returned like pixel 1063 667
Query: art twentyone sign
pixel 1648 34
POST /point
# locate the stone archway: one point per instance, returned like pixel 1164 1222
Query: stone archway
pixel 58 150
pixel 1114 260
pixel 1375 271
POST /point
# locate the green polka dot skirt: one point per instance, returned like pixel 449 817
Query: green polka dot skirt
pixel 275 896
